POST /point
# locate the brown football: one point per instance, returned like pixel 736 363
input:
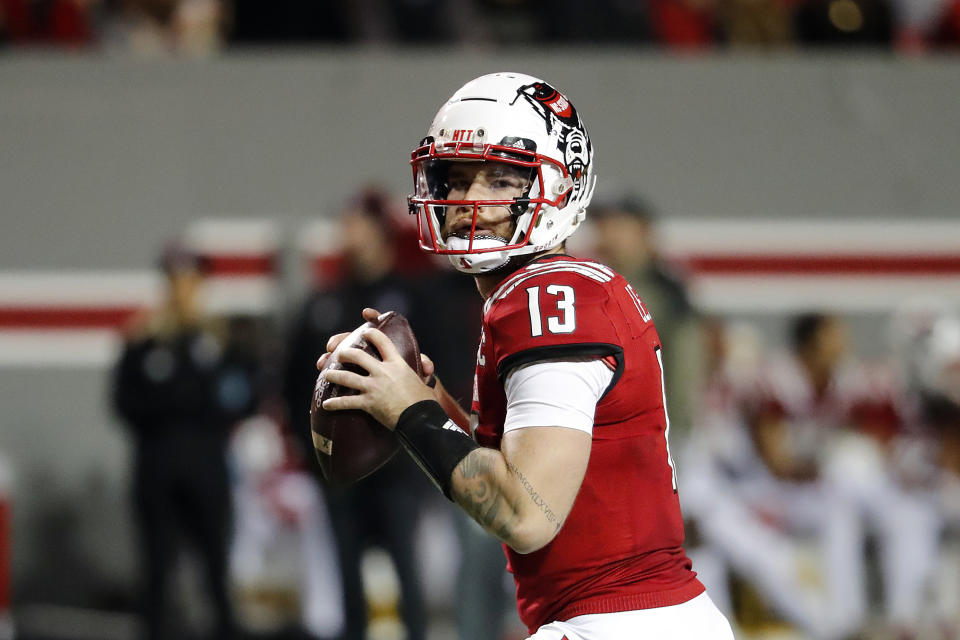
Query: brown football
pixel 351 444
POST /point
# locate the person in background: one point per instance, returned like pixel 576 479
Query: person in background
pixel 482 599
pixel 826 430
pixel 718 453
pixel 384 508
pixel 180 386
pixel 753 486
pixel 164 27
pixel 926 348
pixel 626 240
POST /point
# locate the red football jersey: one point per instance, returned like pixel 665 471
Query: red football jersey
pixel 621 546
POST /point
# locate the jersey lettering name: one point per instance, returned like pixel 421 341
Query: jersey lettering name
pixel 666 415
pixel 481 359
pixel 638 303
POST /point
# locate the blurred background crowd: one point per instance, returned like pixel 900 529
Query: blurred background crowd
pixel 179 241
pixel 821 486
pixel 205 26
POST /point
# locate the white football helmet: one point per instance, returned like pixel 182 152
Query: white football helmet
pixel 926 339
pixel 517 120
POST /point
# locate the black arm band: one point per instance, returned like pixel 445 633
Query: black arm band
pixel 434 442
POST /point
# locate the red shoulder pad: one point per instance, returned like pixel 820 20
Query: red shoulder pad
pixel 553 309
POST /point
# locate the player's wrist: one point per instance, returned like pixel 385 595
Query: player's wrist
pixel 434 441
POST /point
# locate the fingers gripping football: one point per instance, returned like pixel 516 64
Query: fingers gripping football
pixel 369 314
pixel 389 387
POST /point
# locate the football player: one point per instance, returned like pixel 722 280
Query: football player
pixel 569 461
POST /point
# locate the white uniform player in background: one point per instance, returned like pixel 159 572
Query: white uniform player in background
pixel 813 468
pixel 926 339
pixel 282 541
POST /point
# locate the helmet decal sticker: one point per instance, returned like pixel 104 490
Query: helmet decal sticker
pixel 551 104
pixel 572 141
pixel 576 157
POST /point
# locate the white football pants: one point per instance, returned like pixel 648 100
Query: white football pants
pixel 696 619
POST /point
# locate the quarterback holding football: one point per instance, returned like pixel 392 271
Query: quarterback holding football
pixel 564 453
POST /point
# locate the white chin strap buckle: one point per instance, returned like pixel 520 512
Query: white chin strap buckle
pixel 477 262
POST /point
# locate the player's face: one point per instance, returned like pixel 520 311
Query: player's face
pixel 484 181
pixel 364 242
pixel 832 342
pixel 622 241
pixel 183 291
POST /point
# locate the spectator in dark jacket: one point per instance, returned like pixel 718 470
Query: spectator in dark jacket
pixel 384 508
pixel 180 386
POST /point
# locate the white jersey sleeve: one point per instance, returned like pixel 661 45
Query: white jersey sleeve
pixel 555 393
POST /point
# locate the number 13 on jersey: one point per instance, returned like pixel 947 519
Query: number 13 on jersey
pixel 565 321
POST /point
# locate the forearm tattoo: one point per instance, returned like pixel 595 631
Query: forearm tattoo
pixel 487 504
pixel 537 498
pixel 481 499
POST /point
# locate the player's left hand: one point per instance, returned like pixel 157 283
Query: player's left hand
pixel 426 364
pixel 390 386
pixel 369 314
